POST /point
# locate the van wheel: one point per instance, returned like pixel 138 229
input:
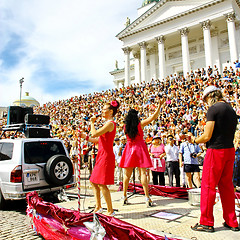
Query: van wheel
pixel 58 170
pixel 2 201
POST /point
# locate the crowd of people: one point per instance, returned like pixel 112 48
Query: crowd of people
pixel 183 113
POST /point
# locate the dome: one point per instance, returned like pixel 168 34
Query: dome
pixel 146 2
pixel 27 101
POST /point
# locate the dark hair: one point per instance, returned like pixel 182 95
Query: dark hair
pixel 131 123
pixel 215 97
pixel 113 107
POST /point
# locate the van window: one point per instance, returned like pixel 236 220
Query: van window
pixel 6 151
pixel 40 152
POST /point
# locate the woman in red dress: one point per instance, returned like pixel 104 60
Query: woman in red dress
pixel 103 171
pixel 135 153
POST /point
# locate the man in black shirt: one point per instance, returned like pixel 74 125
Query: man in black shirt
pixel 218 163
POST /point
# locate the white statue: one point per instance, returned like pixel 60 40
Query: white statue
pixel 127 22
pixel 116 64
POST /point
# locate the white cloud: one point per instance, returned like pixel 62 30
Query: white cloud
pixel 61 42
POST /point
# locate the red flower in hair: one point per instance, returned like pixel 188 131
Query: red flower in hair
pixel 114 103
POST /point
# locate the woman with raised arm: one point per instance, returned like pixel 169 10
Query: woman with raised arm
pixel 136 153
pixel 103 171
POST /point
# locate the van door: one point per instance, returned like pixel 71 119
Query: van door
pixel 36 155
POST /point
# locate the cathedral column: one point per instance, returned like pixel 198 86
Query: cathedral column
pixel 230 18
pixel 136 56
pixel 185 50
pixel 215 49
pixel 152 53
pixel 143 49
pixel 116 83
pixel 161 56
pixel 127 51
pixel 207 42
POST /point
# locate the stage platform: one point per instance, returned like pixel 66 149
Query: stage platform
pixel 174 216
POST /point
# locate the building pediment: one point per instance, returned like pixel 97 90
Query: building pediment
pixel 165 11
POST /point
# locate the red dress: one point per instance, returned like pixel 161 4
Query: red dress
pixel 135 153
pixel 103 171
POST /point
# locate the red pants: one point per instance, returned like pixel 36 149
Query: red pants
pixel 218 171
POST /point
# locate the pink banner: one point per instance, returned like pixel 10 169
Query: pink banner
pixel 53 222
pixel 164 191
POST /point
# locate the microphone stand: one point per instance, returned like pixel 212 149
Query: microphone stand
pixel 134 187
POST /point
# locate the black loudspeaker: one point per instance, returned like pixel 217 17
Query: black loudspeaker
pixel 35 132
pixel 37 119
pixel 16 114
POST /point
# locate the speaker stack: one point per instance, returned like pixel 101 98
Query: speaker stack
pixel 22 119
pixel 34 129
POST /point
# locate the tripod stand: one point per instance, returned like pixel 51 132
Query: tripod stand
pixel 134 186
pixel 144 183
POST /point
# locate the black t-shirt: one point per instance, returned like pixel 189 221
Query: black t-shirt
pixel 225 119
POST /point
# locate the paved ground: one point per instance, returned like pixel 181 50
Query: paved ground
pixel 14 224
pixel 138 214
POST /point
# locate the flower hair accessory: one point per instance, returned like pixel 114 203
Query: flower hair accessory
pixel 114 103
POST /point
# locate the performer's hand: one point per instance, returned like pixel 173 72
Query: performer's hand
pixel 93 119
pixel 161 101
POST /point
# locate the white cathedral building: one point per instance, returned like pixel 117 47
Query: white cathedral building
pixel 177 36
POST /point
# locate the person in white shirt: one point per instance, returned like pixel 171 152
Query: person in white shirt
pixel 187 116
pixel 118 154
pixel 172 154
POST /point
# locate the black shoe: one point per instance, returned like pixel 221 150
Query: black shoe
pixel 125 201
pixel 149 202
pixel 202 228
pixel 235 229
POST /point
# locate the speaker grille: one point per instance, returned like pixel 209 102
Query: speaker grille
pixel 37 119
pixel 35 132
pixel 16 114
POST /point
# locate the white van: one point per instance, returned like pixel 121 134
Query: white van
pixel 33 164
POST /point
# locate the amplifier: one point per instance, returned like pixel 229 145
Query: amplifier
pixel 16 114
pixel 35 132
pixel 37 119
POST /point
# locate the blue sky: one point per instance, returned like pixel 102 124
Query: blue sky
pixel 62 48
